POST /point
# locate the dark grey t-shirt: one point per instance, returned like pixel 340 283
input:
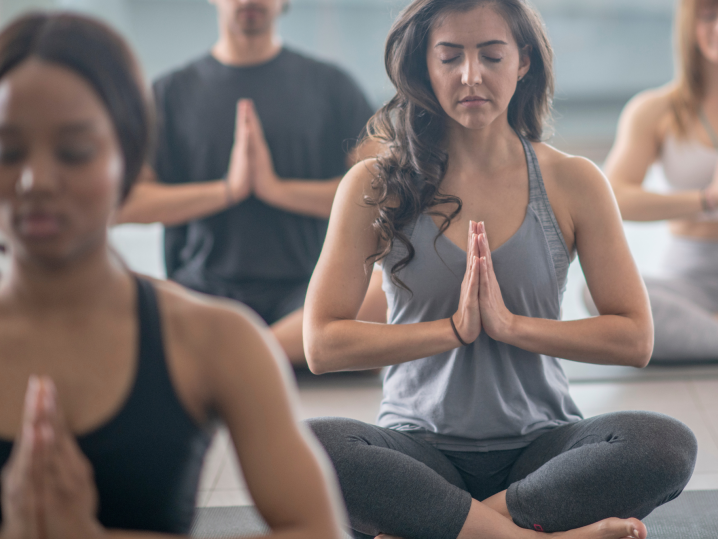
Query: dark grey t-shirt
pixel 312 114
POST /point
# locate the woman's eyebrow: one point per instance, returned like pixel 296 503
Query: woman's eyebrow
pixel 77 128
pixel 478 46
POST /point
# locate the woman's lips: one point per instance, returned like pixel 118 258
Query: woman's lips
pixel 39 225
pixel 473 101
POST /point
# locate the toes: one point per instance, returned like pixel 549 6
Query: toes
pixel 616 528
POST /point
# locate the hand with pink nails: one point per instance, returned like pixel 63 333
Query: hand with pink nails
pixel 467 318
pixel 495 317
pixel 48 489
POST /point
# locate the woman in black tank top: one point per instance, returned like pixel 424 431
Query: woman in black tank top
pixel 127 377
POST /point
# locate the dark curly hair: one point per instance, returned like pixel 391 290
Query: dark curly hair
pixel 102 58
pixel 411 125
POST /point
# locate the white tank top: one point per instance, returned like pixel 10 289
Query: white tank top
pixel 688 165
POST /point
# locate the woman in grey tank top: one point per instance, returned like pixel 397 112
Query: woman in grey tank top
pixel 475 222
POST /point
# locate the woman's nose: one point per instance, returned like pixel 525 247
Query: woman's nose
pixel 471 74
pixel 37 176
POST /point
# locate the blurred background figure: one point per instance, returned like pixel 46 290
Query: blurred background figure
pixel 253 140
pixel 606 52
pixel 675 125
pixel 127 378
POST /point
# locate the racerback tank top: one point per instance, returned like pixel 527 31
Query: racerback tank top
pixel 147 459
pixel 488 395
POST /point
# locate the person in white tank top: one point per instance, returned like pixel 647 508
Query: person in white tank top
pixel 675 126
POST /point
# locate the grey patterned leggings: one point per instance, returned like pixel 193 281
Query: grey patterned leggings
pixel 623 464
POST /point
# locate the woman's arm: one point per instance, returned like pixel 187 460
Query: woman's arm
pixel 248 385
pixel 637 146
pixel 333 338
pixel 623 333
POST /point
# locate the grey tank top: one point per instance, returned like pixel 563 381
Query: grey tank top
pixel 487 396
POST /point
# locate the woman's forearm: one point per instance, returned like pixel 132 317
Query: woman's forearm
pixel 639 205
pixel 350 345
pixel 603 340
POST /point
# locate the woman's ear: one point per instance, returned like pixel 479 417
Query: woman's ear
pixel 524 60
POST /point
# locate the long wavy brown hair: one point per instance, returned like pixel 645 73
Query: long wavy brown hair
pixel 412 124
pixel 690 77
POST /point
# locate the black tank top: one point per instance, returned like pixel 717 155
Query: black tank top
pixel 147 459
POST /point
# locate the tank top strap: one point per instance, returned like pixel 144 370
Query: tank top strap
pixel 152 359
pixel 539 202
pixel 536 187
pixel 153 382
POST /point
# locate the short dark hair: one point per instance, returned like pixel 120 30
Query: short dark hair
pixel 102 58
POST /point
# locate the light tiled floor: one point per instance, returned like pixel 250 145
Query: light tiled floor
pixel 693 401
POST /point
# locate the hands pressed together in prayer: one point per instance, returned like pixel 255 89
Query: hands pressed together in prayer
pixel 481 305
pixel 251 170
pixel 48 489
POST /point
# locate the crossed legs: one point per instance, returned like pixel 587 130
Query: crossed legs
pixel 591 479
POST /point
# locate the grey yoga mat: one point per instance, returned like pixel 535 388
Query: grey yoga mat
pixel 693 515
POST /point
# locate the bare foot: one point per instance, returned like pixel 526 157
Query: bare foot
pixel 611 528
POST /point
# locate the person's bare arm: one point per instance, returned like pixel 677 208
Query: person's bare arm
pixel 153 202
pixel 623 333
pixel 251 171
pixel 333 338
pixel 173 204
pixel 251 390
pixel 637 146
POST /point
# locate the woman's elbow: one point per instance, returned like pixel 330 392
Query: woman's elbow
pixel 642 348
pixel 315 351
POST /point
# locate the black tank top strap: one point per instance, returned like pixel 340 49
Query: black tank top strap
pixel 152 371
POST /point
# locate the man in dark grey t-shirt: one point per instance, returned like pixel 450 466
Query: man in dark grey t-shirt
pixel 253 140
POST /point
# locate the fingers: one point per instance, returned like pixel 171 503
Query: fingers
pixel 474 281
pixel 255 121
pixel 484 249
pixel 484 280
pixel 471 245
pixel 241 121
pixel 25 446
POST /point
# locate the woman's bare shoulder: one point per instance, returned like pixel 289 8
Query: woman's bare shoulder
pixel 360 179
pixel 649 111
pixel 571 174
pixel 198 322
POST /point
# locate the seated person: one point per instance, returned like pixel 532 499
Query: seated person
pixel 133 373
pixel 476 222
pixel 676 126
pixel 253 139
